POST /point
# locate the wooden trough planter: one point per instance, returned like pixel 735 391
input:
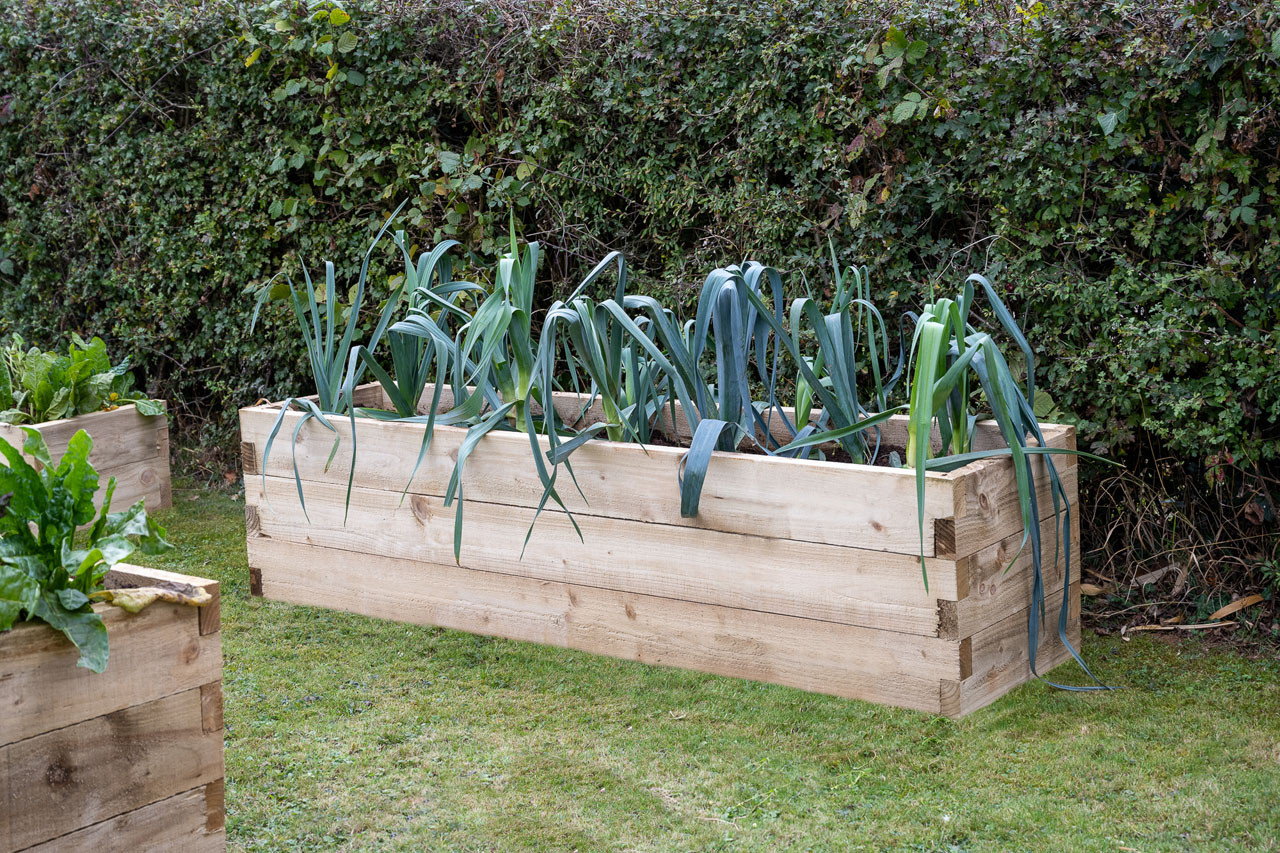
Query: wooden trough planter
pixel 801 573
pixel 131 447
pixel 125 760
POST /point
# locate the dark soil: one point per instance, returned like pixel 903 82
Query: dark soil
pixel 832 454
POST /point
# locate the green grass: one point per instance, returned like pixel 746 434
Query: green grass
pixel 345 733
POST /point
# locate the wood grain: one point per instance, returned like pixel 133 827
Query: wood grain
pixel 860 663
pixel 131 447
pixel 76 776
pixel 177 823
pixel 808 501
pixel 829 582
pixel 155 653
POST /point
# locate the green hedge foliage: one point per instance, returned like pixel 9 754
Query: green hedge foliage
pixel 1115 165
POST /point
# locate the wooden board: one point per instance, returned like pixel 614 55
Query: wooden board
pixel 860 663
pixel 155 653
pixel 1000 660
pixel 782 498
pixel 829 582
pixel 190 822
pixel 579 410
pixel 1000 576
pixel 131 447
pixel 95 770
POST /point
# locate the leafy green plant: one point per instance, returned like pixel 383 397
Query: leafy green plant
pixel 45 574
pixel 38 386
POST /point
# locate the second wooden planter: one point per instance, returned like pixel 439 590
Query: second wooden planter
pixel 131 447
pixel 801 573
pixel 129 759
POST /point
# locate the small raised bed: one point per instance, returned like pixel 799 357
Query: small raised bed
pixel 129 759
pixel 802 573
pixel 131 447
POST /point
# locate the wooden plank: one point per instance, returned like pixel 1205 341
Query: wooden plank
pixel 809 501
pixel 998 588
pixel 164 489
pixel 145 480
pixel 829 582
pixel 987 504
pixel 999 656
pixel 211 706
pixel 858 663
pixel 132 447
pixel 153 654
pixel 120 436
pixel 92 771
pixel 174 823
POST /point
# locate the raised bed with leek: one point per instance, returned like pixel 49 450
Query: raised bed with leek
pixel 723 367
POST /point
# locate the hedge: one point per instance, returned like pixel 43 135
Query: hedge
pixel 1114 165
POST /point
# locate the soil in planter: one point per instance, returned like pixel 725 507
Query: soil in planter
pixel 835 455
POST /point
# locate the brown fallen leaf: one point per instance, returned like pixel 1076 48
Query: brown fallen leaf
pixel 1091 589
pixel 1235 606
pixel 1177 627
pixel 133 599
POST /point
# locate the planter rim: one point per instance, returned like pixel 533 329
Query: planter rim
pixel 98 414
pixel 975 466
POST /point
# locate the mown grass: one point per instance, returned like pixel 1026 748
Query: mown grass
pixel 345 733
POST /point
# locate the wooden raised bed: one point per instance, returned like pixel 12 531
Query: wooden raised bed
pixel 801 573
pixel 125 760
pixel 131 447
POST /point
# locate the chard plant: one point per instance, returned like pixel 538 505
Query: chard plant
pixel 50 570
pixel 38 386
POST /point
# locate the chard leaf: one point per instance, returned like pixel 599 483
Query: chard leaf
pixel 18 592
pixel 82 626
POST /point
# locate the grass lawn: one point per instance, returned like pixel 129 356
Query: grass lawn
pixel 345 733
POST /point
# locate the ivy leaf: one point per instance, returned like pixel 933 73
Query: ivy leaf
pixel 449 161
pixel 1107 121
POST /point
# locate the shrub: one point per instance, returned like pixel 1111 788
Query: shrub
pixel 1113 166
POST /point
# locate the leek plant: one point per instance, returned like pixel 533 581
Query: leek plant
pixel 326 352
pixel 947 353
pixel 641 361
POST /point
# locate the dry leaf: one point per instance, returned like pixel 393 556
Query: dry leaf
pixel 1177 627
pixel 1238 604
pixel 134 599
pixel 1153 576
pixel 1091 589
